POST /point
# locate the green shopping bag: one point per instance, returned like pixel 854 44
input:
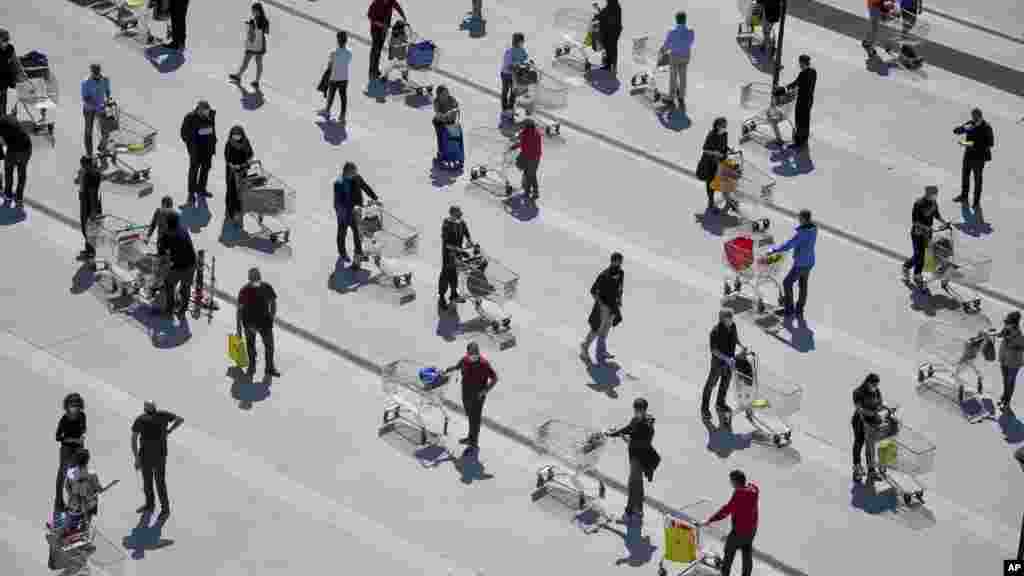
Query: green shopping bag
pixel 930 265
pixel 237 351
pixel 887 453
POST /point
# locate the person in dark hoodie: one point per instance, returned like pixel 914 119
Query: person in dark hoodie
pixel 610 28
pixel 71 437
pixel 725 340
pixel 606 311
pixel 867 403
pixel 17 152
pixel 176 244
pixel 923 217
pixel 89 205
pixel 804 84
pixel 9 68
pixel 238 153
pixel 199 133
pixel 454 238
pixel 802 244
pixel 643 458
pixel 348 200
pixel 743 507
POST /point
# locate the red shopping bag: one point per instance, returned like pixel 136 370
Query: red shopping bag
pixel 739 252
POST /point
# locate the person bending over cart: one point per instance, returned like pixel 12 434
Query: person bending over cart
pixel 515 55
pixel 176 244
pixel 446 113
pixel 348 203
pixel 867 402
pixel 89 205
pixel 455 238
pixel 643 458
pixel 238 153
pixel 923 216
pixel 725 339
pixel 743 507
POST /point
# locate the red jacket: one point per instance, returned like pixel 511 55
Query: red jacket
pixel 475 374
pixel 743 509
pixel 530 143
pixel 380 11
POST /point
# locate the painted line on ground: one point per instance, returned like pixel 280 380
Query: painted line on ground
pixel 974 25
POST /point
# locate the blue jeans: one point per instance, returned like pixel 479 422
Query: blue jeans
pixel 796 274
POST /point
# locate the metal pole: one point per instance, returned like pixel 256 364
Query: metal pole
pixel 783 8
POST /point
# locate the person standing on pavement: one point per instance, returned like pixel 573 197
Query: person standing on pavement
pixel 348 203
pixel 802 244
pixel 804 85
pixel 743 507
pixel 179 23
pixel 677 46
pixel 89 204
pixel 867 403
pixel 199 133
pixel 923 216
pixel 716 148
pixel 530 149
pixel 71 436
pixel 978 141
pixel 238 154
pixel 10 68
pixel 606 311
pixel 725 339
pixel 257 28
pixel 176 244
pixel 158 223
pixel 1011 357
pixel 478 379
pixel 95 95
pixel 149 448
pixel 257 309
pixel 455 238
pixel 337 81
pixel 643 458
pixel 379 13
pixel 609 21
pixel 17 152
pixel 515 55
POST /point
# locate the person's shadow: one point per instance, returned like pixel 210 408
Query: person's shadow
pixel 145 537
pixel 604 377
pixel 164 59
pixel 604 81
pixel 196 217
pixel 722 441
pixel 674 119
pixel 10 215
pixel 801 337
pixel 1012 427
pixel 84 278
pixel 449 325
pixel 334 132
pixel 791 162
pixel 974 223
pixel 638 546
pixel 470 468
pixel 250 99
pixel 246 390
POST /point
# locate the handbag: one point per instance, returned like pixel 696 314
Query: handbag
pixel 237 351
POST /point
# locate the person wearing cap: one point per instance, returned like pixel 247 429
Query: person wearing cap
pixel 725 339
pixel 17 152
pixel 71 437
pixel 529 145
pixel 478 379
pixel 176 244
pixel 9 68
pixel 89 205
pixel 743 508
pixel 149 449
pixel 257 308
pixel 199 133
pixel 95 95
pixel 923 216
pixel 643 458
pixel 802 244
pixel 978 141
pixel 455 238
pixel 804 85
pixel 867 403
pixel 607 309
pixel 1011 357
pixel 349 188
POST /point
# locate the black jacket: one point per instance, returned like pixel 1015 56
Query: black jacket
pixel 865 399
pixel 348 195
pixel 641 435
pixel 200 145
pixel 772 10
pixel 9 67
pixel 982 139
pixel 724 340
pixel 707 167
pixel 16 139
pixel 805 83
pixel 453 233
pixel 923 218
pixel 178 245
pixel 238 155
pixel 610 19
pixel 607 288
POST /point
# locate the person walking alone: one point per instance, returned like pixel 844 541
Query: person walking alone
pixel 609 21
pixel 89 204
pixel 725 339
pixel 257 309
pixel 176 244
pixel 478 379
pixel 606 311
pixel 149 448
pixel 455 238
pixel 643 458
pixel 17 152
pixel 349 188
pixel 199 133
pixel 677 46
pixel 515 55
pixel 802 244
pixel 978 141
pixel 804 84
pixel 530 146
pixel 379 13
pixel 743 508
pixel 337 80
pixel 923 216
pixel 95 95
pixel 1011 357
pixel 71 436
pixel 257 28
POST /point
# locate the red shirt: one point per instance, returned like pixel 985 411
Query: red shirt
pixel 475 374
pixel 743 509
pixel 530 143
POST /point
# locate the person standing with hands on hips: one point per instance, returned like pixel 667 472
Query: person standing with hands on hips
pixel 804 85
pixel 643 458
pixel 379 13
pixel 724 341
pixel 606 311
pixel 478 379
pixel 978 141
pixel 71 437
pixel 802 244
pixel 149 448
pixel 743 507
pixel 923 216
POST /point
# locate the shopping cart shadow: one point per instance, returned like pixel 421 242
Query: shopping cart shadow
pixel 233 236
pixel 974 223
pixel 161 329
pixel 345 280
pixel 246 390
pixel 715 222
pixel 930 302
pixel 945 397
pixel 164 59
pixel 520 208
pixel 146 537
pixel 405 439
pixel 470 468
pixel 10 215
pixel 869 498
pixel 722 441
pixel 334 132
pixel 790 162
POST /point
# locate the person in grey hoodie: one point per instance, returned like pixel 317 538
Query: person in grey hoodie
pixel 802 244
pixel 1011 356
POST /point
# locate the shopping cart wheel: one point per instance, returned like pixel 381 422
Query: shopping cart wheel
pixel 423 436
pixel 397 282
pixel 960 394
pixel 761 307
pixel 726 289
pixel 662 571
pixel 582 502
pixel 908 499
pixel 587 66
pixel 540 481
pixel 777 440
pixel 508 189
pixel 979 386
pixel 920 496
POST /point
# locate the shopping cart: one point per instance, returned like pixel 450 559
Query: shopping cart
pixel 948 259
pixel 123 261
pixel 579 37
pixel 387 241
pixel 489 285
pixel 654 65
pixel 127 134
pixel 749 266
pixel 411 55
pixel 570 451
pixel 750 30
pixel 412 389
pixel 37 93
pixel 494 158
pixel 684 546
pixel 745 187
pixel 269 199
pixel 70 536
pixel 949 355
pixel 775 107
pixel 535 90
pixel 767 401
pixel 902 456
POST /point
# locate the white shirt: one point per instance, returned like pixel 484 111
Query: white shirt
pixel 339 61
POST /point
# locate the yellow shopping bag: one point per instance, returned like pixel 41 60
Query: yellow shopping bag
pixel 237 351
pixel 726 178
pixel 930 265
pixel 680 541
pixel 588 40
pixel 887 453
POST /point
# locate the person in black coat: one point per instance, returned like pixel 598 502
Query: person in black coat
pixel 238 154
pixel 923 216
pixel 716 148
pixel 867 402
pixel 17 152
pixel 179 23
pixel 199 133
pixel 643 458
pixel 9 68
pixel 348 201
pixel 804 84
pixel 607 309
pixel 71 437
pixel 454 238
pixel 978 143
pixel 176 244
pixel 89 205
pixel 725 340
pixel 610 28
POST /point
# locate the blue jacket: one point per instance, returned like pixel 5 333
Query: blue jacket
pixel 95 94
pixel 348 193
pixel 802 244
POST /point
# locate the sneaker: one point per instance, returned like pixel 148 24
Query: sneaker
pixel 458 299
pixel 255 84
pixel 236 78
pixel 442 303
pixel 858 471
pixel 960 198
pixel 273 372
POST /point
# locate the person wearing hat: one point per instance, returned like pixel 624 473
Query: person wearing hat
pixel 199 133
pixel 643 458
pixel 71 437
pixel 725 340
pixel 529 146
pixel 95 95
pixel 804 85
pixel 1011 356
pixel 149 449
pixel 867 402
pixel 607 309
pixel 9 68
pixel 743 508
pixel 478 379
pixel 455 238
pixel 89 205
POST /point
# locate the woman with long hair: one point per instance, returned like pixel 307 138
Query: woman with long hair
pixel 257 29
pixel 238 154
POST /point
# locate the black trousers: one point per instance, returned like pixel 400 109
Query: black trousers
pixel 448 282
pixel 799 276
pixel 610 43
pixel 15 161
pixel 232 201
pixel 198 175
pixel 802 124
pixel 179 17
pixel 508 95
pixel 916 261
pixel 178 288
pixel 720 375
pixel 1009 382
pixel 83 217
pixel 858 437
pixel 745 545
pixel 341 88
pixel 155 470
pixel 377 37
pixel 635 488
pixel 267 335
pixel 344 224
pixel 67 451
pixel 971 167
pixel 3 101
pixel 473 404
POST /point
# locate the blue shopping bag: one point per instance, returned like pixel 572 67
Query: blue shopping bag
pixel 421 54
